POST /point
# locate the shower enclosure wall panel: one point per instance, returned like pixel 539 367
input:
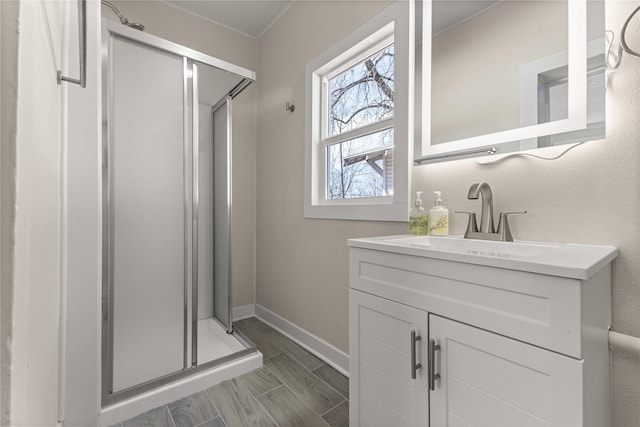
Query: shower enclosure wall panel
pixel 147 203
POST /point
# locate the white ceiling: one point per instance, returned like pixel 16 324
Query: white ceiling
pixel 254 17
pixel 250 17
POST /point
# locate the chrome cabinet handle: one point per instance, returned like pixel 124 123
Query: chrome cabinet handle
pixel 414 366
pixel 431 372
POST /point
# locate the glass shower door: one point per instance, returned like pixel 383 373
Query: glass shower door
pixel 166 213
pixel 148 202
pixel 222 224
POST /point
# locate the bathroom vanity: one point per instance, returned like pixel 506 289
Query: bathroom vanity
pixel 446 331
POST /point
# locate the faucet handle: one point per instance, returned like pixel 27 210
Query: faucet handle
pixel 472 226
pixel 503 225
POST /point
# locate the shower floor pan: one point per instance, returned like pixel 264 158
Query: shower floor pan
pixel 220 356
pixel 214 342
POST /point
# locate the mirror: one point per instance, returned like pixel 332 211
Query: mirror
pixel 504 76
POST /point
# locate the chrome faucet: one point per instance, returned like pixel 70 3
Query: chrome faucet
pixel 486 217
pixel 487 229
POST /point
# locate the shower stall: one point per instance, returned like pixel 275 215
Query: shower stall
pixel 166 213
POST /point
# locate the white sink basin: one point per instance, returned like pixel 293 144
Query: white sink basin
pixel 563 259
pixel 476 247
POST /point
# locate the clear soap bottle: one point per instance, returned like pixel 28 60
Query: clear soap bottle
pixel 438 217
pixel 418 218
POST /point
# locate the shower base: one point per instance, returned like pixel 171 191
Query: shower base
pixel 214 342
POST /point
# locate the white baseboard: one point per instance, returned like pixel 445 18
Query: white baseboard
pixel 243 311
pixel 331 355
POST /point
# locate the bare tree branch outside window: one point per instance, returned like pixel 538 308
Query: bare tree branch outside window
pixel 359 96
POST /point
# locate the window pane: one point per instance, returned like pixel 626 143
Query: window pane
pixel 361 167
pixel 362 94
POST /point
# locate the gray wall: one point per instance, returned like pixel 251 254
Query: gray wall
pixel 302 264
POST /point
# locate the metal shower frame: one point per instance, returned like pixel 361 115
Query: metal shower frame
pixel 190 367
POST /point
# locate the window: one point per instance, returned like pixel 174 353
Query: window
pixel 358 121
pixel 358 106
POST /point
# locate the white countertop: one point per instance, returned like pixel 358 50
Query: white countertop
pixel 555 259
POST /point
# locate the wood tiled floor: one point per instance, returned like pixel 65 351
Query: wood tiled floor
pixel 293 389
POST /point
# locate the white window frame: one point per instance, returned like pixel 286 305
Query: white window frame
pixel 395 24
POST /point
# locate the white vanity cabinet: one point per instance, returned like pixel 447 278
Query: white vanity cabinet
pixel 380 363
pixel 511 346
pixel 492 380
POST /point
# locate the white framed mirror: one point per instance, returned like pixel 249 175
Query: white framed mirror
pixel 495 77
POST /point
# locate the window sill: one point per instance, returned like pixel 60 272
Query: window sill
pixel 361 212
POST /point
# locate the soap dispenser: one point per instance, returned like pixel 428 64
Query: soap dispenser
pixel 438 217
pixel 418 218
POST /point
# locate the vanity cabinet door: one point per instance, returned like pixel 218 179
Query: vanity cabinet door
pixel 490 380
pixel 382 390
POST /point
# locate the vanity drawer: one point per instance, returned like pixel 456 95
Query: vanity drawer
pixel 547 311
